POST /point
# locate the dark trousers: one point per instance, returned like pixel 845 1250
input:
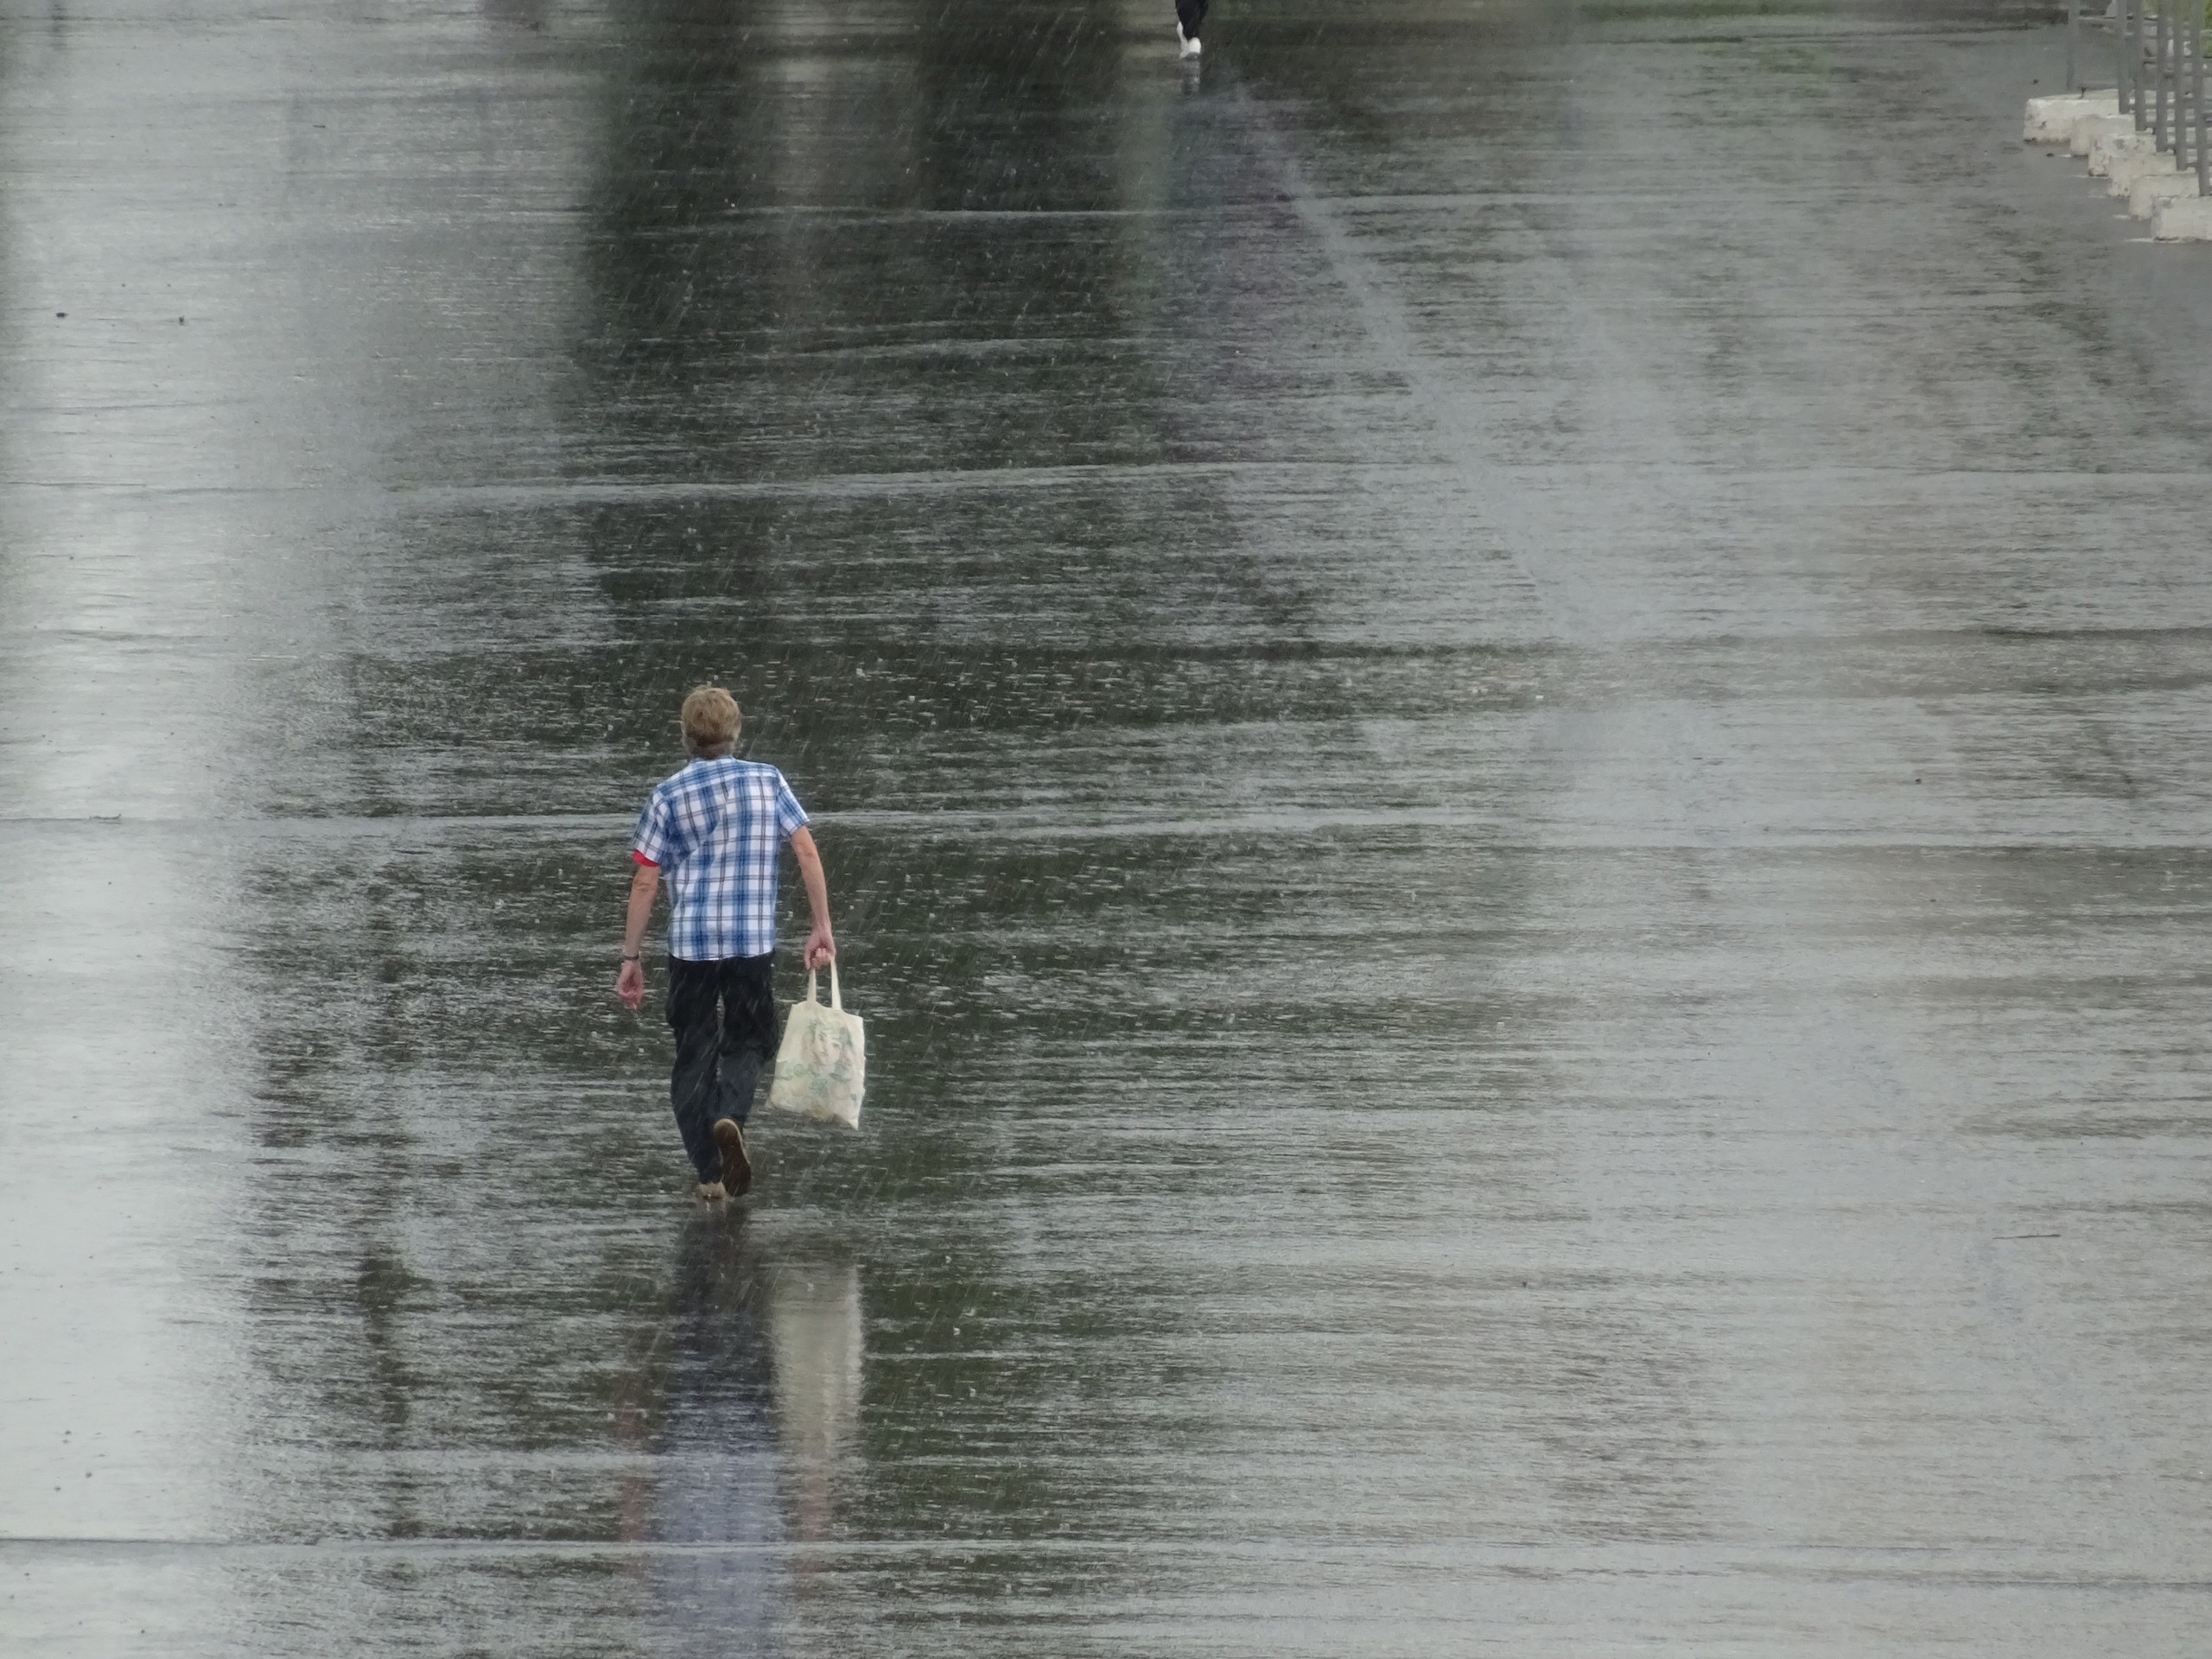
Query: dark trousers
pixel 723 1015
pixel 1191 13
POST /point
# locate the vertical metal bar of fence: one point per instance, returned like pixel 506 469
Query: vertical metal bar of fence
pixel 2204 129
pixel 2154 32
pixel 2120 56
pixel 2179 31
pixel 2196 100
pixel 2073 41
pixel 2137 57
pixel 2185 87
pixel 2195 163
pixel 2160 65
pixel 2129 103
pixel 2204 164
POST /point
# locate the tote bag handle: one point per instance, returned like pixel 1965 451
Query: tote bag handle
pixel 836 1000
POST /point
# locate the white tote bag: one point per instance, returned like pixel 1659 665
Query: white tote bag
pixel 823 1065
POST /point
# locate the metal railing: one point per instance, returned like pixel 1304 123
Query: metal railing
pixel 2160 60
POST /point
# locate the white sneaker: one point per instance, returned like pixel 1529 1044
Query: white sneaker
pixel 1189 41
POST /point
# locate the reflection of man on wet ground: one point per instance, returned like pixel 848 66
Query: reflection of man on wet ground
pixel 716 1477
pixel 1190 17
pixel 714 827
pixel 747 1394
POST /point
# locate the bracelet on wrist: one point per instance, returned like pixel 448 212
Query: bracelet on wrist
pixel 631 956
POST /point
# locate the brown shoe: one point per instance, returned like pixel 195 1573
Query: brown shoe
pixel 737 1168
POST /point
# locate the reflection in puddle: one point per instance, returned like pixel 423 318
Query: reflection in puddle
pixel 762 1395
pixel 814 1325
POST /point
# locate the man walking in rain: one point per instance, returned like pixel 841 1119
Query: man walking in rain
pixel 714 828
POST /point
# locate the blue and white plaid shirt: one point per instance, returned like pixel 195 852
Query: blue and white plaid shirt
pixel 713 829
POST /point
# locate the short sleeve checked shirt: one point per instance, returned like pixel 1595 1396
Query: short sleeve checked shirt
pixel 713 829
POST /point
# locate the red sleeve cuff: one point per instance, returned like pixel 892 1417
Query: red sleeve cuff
pixel 636 857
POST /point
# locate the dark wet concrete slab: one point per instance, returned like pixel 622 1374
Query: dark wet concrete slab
pixel 1505 708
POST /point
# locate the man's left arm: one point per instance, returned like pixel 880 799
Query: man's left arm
pixel 821 945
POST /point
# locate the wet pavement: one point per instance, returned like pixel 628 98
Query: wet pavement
pixel 1506 708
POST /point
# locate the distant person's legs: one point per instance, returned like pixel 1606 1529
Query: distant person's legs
pixel 723 1015
pixel 695 1015
pixel 1190 17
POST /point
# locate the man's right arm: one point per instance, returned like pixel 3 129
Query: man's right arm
pixel 630 979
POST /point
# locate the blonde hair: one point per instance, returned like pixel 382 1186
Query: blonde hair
pixel 711 719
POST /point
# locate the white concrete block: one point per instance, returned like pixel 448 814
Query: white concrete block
pixel 2087 127
pixel 2123 170
pixel 2050 120
pixel 2186 219
pixel 2143 201
pixel 2107 147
